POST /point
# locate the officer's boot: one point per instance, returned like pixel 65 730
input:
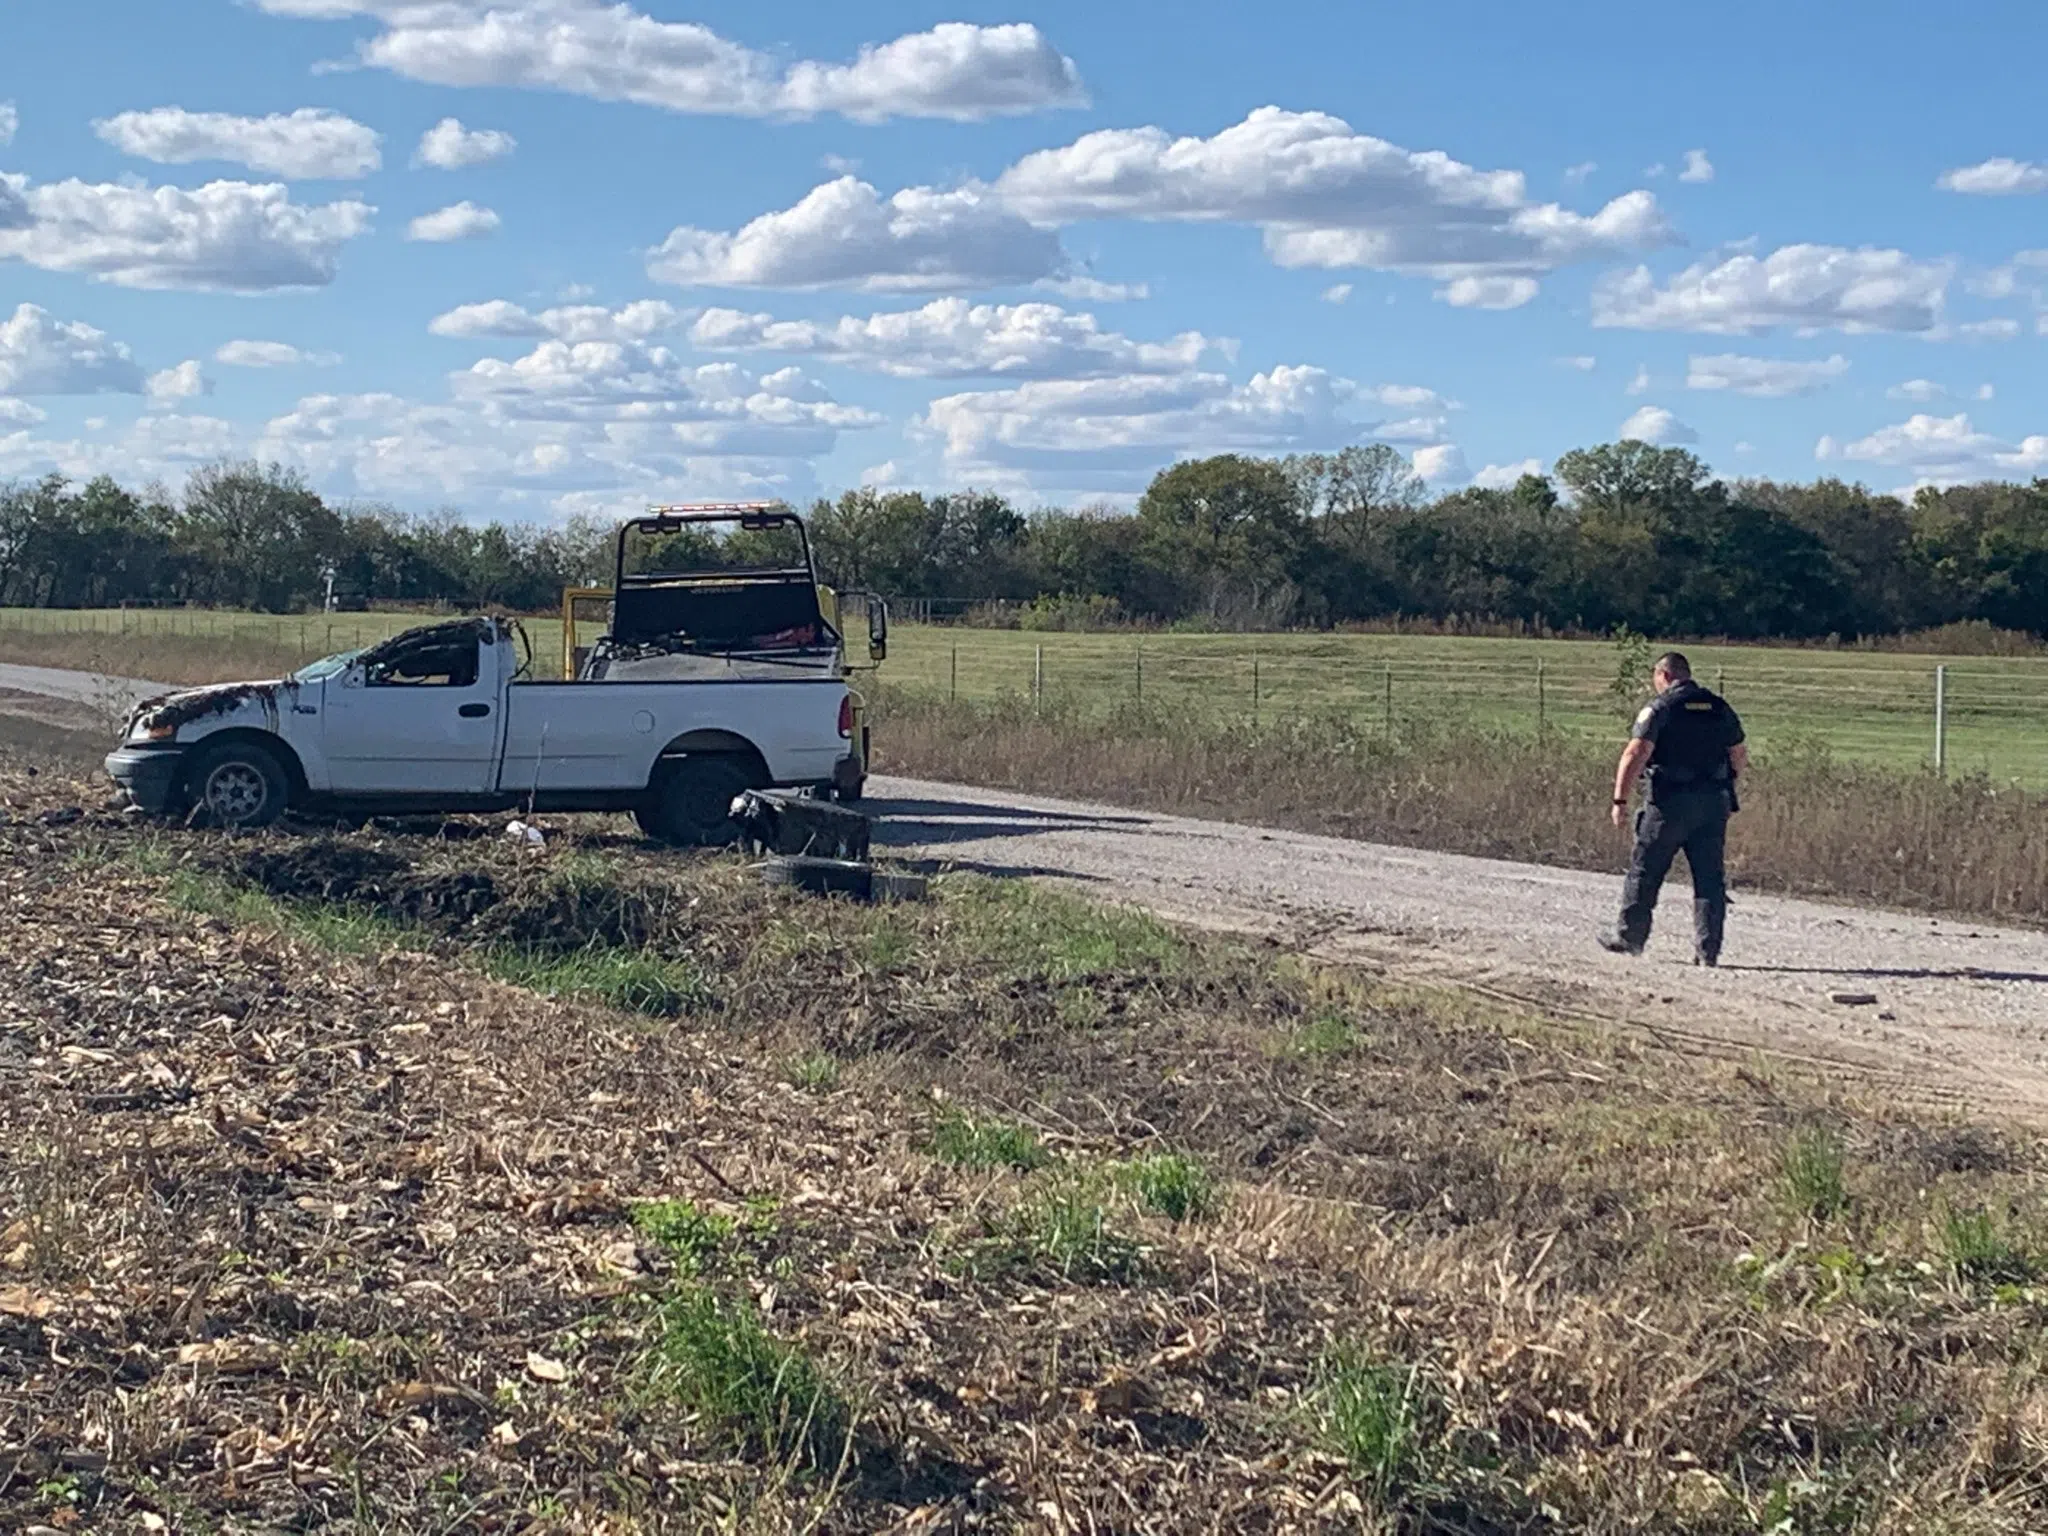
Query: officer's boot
pixel 1709 917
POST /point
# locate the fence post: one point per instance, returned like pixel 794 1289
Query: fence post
pixel 1541 704
pixel 1721 681
pixel 1255 690
pixel 1941 721
pixel 1387 703
pixel 953 679
pixel 1140 672
pixel 1037 676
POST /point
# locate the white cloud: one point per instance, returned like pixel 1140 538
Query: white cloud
pixel 1986 392
pixel 1440 464
pixel 882 476
pixel 1765 377
pixel 229 236
pixel 1808 287
pixel 1336 293
pixel 20 413
pixel 1698 167
pixel 844 235
pixel 717 408
pixel 1654 424
pixel 1655 170
pixel 184 382
pixel 1581 364
pixel 459 221
pixel 42 356
pixel 575 322
pixel 615 53
pixel 1989 330
pixel 1999 177
pixel 1488 292
pixel 1578 175
pixel 1940 450
pixel 1112 434
pixel 311 142
pixel 10 122
pixel 1921 390
pixel 158 445
pixel 1640 384
pixel 1327 196
pixel 1503 477
pixel 448 146
pixel 270 354
pixel 950 338
pixel 1090 290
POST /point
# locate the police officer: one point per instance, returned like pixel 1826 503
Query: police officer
pixel 1691 742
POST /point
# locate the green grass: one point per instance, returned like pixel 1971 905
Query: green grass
pixel 1324 1035
pixel 1979 1249
pixel 343 930
pixel 1373 1414
pixel 1041 934
pixel 634 980
pixel 1171 1184
pixel 688 1235
pixel 815 1072
pixel 1864 706
pixel 748 1391
pixel 1063 1231
pixel 1812 1175
pixel 980 1143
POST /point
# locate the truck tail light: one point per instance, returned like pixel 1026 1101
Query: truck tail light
pixel 846 715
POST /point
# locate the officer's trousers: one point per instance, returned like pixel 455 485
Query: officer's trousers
pixel 1697 821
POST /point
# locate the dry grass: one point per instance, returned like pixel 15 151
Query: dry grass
pixel 296 1237
pixel 1809 824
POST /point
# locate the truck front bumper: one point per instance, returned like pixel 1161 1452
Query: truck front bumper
pixel 149 774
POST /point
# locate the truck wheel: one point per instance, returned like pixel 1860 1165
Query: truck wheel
pixel 239 784
pixel 692 802
pixel 848 794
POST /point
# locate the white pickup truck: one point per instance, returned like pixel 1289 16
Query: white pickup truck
pixel 445 718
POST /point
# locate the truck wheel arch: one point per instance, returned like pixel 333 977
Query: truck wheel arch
pixel 272 743
pixel 707 744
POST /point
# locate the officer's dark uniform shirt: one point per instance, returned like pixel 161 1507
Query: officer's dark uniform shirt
pixel 1692 729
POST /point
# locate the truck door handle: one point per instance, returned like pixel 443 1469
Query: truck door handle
pixel 474 711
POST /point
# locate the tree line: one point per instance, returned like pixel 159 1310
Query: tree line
pixel 1623 534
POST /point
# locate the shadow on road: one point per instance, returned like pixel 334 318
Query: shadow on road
pixel 1899 973
pixel 925 809
pixel 934 823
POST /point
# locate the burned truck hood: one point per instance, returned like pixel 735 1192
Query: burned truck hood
pixel 259 700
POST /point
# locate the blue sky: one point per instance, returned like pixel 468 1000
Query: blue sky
pixel 536 257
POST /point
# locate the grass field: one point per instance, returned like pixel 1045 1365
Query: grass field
pixel 1862 706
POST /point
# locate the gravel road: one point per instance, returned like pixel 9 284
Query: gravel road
pixel 1961 1010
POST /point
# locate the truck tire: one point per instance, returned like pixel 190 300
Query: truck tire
pixel 238 784
pixel 691 806
pixel 820 877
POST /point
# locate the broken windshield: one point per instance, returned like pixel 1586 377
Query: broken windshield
pixel 325 667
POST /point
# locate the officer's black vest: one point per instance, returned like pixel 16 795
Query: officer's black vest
pixel 1692 746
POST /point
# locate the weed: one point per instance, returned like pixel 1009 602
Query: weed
pixel 1058 938
pixel 1812 1175
pixel 745 1387
pixel 1978 1250
pixel 1172 1184
pixel 690 1236
pixel 1065 1231
pixel 980 1143
pixel 1325 1034
pixel 633 980
pixel 815 1072
pixel 1373 1413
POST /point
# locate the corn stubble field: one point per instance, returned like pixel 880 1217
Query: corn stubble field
pixel 406 1181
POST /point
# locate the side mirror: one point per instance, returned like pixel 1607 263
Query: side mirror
pixel 878 629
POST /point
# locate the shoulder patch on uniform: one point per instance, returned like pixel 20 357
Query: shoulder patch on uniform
pixel 1647 712
pixel 1702 705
